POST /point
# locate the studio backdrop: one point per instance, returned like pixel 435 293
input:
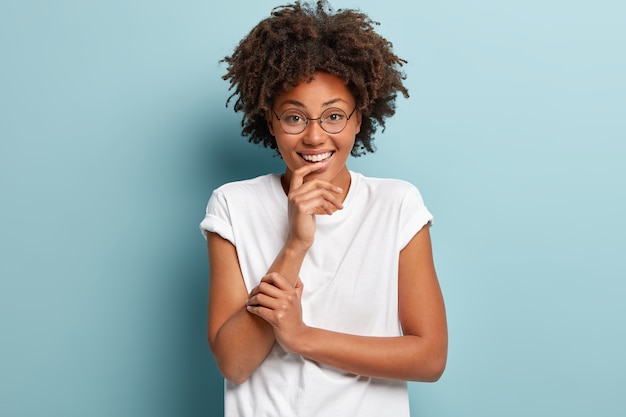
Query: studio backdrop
pixel 114 132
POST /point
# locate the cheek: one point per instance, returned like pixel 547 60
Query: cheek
pixel 284 145
pixel 349 140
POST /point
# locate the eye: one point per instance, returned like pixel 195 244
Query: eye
pixel 334 116
pixel 292 117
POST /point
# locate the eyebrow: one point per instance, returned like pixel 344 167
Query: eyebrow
pixel 300 104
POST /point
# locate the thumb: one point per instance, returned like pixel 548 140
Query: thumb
pixel 299 287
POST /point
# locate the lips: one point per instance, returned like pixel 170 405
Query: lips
pixel 319 157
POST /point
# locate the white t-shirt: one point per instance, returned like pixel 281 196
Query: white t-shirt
pixel 350 278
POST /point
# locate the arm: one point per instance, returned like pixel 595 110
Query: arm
pixel 240 341
pixel 419 355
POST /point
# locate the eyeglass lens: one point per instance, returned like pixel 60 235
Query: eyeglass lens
pixel 332 120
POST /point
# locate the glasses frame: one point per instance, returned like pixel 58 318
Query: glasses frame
pixel 308 119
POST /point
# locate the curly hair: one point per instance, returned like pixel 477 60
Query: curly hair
pixel 299 39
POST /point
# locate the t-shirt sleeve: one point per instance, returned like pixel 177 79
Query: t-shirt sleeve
pixel 217 218
pixel 413 216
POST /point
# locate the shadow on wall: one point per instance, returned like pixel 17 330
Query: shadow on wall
pixel 217 155
pixel 230 157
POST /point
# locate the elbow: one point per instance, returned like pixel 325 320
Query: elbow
pixel 230 368
pixel 430 366
pixel 435 367
pixel 435 372
pixel 234 375
pixel 430 372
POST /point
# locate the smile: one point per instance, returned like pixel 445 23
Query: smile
pixel 318 157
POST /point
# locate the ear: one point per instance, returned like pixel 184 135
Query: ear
pixel 359 119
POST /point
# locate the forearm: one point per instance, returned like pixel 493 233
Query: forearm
pixel 244 340
pixel 407 357
pixel 241 345
pixel 288 263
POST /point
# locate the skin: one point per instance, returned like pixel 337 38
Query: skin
pixel 242 327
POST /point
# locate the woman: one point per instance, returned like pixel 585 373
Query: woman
pixel 323 295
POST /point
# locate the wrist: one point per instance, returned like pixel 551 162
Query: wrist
pixel 299 343
pixel 296 250
pixel 288 262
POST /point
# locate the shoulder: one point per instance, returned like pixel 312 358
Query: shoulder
pixel 393 188
pixel 239 195
pixel 388 195
pixel 258 185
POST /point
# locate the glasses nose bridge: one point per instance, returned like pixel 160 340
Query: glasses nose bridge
pixel 318 119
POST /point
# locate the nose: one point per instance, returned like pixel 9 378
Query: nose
pixel 314 135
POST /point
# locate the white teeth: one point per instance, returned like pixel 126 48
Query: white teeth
pixel 318 157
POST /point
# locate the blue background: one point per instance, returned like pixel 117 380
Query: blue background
pixel 113 132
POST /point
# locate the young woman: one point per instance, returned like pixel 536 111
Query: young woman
pixel 323 295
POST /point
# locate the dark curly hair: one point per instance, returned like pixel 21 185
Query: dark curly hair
pixel 299 39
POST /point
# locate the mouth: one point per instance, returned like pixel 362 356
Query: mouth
pixel 314 158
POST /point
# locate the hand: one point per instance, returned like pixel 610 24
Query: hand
pixel 280 304
pixel 305 199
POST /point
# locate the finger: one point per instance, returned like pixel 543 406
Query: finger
pixel 314 185
pixel 332 205
pixel 265 288
pixel 319 198
pixel 263 300
pixel 277 280
pixel 297 179
pixel 260 311
pixel 299 287
pixel 269 311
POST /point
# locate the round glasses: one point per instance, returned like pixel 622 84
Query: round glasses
pixel 294 121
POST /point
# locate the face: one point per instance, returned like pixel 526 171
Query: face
pixel 314 144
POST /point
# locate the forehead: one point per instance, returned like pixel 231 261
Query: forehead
pixel 322 90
